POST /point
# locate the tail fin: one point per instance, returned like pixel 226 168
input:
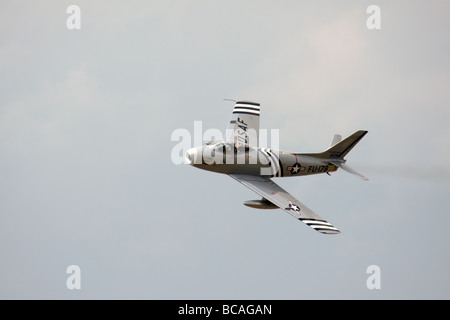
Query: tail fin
pixel 338 150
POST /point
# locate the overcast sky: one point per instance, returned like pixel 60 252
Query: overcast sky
pixel 86 176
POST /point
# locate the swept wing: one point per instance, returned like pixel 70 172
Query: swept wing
pixel 269 190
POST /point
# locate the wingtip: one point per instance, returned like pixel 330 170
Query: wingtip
pixel 331 232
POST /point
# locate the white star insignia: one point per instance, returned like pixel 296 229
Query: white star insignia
pixel 295 168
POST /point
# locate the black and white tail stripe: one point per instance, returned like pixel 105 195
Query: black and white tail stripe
pixel 320 225
pixel 251 108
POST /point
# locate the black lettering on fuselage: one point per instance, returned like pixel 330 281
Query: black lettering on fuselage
pixel 317 169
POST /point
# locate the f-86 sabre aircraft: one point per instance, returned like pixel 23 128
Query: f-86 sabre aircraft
pixel 240 157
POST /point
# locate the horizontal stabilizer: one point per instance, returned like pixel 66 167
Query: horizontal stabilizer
pixel 345 167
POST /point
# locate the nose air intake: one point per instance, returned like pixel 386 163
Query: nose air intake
pixel 190 156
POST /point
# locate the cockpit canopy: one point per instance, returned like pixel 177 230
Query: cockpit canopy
pixel 224 147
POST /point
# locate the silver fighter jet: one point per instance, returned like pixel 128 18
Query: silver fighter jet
pixel 240 157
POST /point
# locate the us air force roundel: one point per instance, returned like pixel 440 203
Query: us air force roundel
pixel 294 207
pixel 296 168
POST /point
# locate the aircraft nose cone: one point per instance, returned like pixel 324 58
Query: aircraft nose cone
pixel 190 156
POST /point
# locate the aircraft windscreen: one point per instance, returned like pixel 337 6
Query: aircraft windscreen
pixel 223 147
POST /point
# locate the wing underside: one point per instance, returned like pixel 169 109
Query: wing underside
pixel 269 190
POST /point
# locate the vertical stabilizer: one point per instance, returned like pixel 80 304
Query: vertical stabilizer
pixel 339 149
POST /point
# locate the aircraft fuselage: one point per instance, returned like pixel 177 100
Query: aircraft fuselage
pixel 223 158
